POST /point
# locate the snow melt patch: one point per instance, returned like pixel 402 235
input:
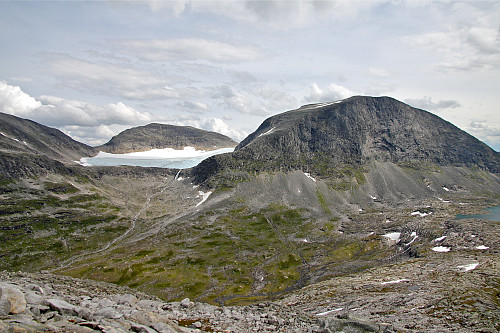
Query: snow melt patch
pixel 373 198
pixel 414 235
pixel 267 132
pixel 439 239
pixel 468 267
pixel 419 213
pixel 446 189
pixel 441 249
pixel 327 312
pixel 395 281
pixel 308 175
pixel 204 197
pixel 482 247
pixel 393 236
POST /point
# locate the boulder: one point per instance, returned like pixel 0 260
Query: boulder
pixel 186 303
pixel 12 294
pixel 62 307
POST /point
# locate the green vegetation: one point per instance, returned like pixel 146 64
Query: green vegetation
pixel 45 223
pixel 232 256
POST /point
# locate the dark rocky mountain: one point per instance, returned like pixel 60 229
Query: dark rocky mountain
pixel 27 147
pixel 160 136
pixel 324 138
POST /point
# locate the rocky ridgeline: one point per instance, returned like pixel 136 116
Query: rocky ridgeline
pixel 51 303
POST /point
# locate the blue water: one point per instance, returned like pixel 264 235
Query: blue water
pixel 492 215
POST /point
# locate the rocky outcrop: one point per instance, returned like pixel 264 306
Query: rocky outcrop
pixel 159 136
pixel 325 138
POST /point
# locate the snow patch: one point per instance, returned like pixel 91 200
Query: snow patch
pixel 204 197
pixel 393 236
pixel 180 178
pixel 441 249
pixel 308 175
pixel 441 199
pixel 446 189
pixel 373 198
pixel 482 247
pixel 439 239
pixel 468 267
pixel 419 213
pixel 395 281
pixel 415 236
pixel 327 312
pixel 267 132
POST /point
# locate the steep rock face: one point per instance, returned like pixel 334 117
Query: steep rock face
pixel 158 136
pixel 324 138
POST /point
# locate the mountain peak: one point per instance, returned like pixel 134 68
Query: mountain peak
pixel 355 131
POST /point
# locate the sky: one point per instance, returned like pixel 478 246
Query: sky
pixel 95 68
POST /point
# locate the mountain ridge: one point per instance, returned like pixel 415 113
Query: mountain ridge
pixel 352 132
pixel 159 136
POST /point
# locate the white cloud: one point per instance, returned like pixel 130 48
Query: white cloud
pixel 56 111
pixel 257 99
pixel 426 103
pixel 213 124
pixel 469 42
pixel 485 130
pixel 108 79
pixel 332 92
pixel 188 49
pixel 93 136
pixel 192 107
pixel 14 101
pixel 378 72
pixel 276 14
pixel 59 112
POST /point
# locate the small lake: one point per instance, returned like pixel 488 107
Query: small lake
pixel 492 215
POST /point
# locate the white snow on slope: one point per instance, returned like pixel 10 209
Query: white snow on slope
pixel 441 249
pixel 308 175
pixel 327 312
pixel 440 238
pixel 267 132
pixel 204 197
pixel 482 247
pixel 420 213
pixel 393 236
pixel 395 281
pixel 468 267
pixel 415 236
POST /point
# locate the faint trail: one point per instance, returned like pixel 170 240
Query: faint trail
pixel 145 206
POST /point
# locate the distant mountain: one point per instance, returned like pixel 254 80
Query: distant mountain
pixel 27 147
pixel 159 136
pixel 325 138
